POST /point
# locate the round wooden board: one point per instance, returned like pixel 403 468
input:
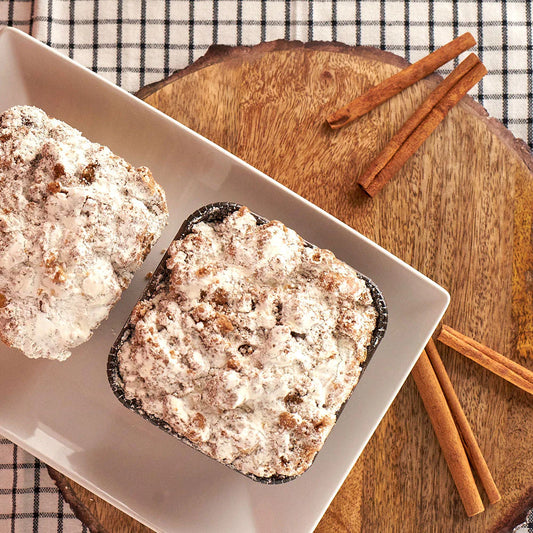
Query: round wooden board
pixel 460 211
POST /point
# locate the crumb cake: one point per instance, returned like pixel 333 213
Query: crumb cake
pixel 76 221
pixel 248 345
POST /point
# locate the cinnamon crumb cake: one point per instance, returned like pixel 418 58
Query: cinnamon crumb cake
pixel 76 221
pixel 249 345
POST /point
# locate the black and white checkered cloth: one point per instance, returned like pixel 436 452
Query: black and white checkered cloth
pixel 136 42
pixel 29 499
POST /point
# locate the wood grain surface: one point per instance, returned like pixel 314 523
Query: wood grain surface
pixel 460 211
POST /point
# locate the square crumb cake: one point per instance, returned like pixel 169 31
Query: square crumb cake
pixel 248 344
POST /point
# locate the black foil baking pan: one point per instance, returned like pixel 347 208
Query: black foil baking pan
pixel 214 213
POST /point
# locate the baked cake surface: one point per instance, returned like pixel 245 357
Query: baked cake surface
pixel 251 345
pixel 76 221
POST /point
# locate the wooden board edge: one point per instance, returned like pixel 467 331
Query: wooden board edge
pixel 80 510
pixel 219 53
pixel 516 515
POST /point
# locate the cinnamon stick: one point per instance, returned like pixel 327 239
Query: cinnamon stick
pixel 447 434
pixel 372 183
pixel 471 445
pixel 488 358
pixel 403 79
pixel 415 119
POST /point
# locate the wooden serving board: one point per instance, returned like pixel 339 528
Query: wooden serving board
pixel 460 211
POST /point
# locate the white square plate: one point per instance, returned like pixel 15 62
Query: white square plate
pixel 66 414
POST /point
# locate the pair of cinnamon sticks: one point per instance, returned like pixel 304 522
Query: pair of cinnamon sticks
pixel 453 430
pixel 456 438
pixel 426 118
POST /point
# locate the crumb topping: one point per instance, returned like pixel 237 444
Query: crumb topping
pixel 76 221
pixel 253 345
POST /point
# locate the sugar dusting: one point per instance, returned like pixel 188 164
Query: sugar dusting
pixel 76 221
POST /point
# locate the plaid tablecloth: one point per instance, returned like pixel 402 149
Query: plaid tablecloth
pixel 133 43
